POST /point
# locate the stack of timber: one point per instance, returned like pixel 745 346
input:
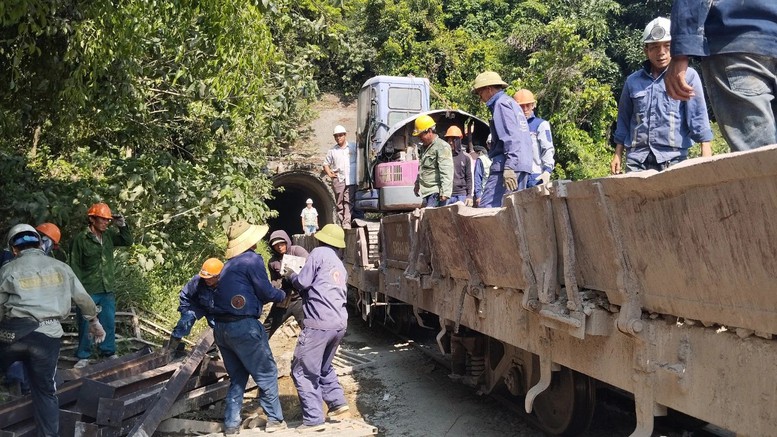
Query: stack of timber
pixel 130 395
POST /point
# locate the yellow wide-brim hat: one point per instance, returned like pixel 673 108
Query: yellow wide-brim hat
pixel 332 235
pixel 242 236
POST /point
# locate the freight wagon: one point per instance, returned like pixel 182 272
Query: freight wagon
pixel 659 285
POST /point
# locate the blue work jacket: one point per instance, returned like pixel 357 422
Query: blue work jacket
pixel 650 120
pixel 244 287
pixel 196 296
pixel 511 145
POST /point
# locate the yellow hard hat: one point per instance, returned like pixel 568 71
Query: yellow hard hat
pixel 524 96
pixel 454 131
pixel 422 124
pixel 488 78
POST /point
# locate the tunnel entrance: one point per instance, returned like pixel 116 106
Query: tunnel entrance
pixel 290 191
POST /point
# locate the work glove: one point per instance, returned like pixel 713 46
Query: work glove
pixel 510 181
pixel 118 219
pixel 544 177
pixel 96 331
pixel 468 201
pixel 287 272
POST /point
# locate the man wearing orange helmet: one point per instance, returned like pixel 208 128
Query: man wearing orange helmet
pixel 542 140
pixel 91 257
pixel 462 168
pixel 51 236
pixel 196 300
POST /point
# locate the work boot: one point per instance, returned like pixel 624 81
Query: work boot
pixel 338 412
pixel 232 430
pixel 274 425
pixel 311 428
pixel 83 362
pixel 172 344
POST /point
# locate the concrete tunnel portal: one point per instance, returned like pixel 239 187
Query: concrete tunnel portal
pixel 290 191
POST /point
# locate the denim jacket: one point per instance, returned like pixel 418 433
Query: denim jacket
pixel 706 27
pixel 649 120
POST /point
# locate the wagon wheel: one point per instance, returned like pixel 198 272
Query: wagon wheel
pixel 567 406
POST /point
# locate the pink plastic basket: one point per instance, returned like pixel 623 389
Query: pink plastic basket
pixel 396 174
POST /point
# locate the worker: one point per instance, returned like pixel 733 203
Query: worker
pixel 511 146
pixel 482 167
pixel 50 236
pixel 462 168
pixel 656 130
pixel 737 43
pixel 36 293
pixel 291 306
pixel 541 138
pixel 196 300
pixel 309 217
pixel 434 182
pixel 322 284
pixel 91 257
pixel 243 290
pixel 340 166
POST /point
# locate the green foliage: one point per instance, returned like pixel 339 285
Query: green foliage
pixel 164 110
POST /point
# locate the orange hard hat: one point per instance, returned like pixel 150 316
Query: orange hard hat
pixel 454 131
pixel 211 267
pixel 100 210
pixel 524 97
pixel 50 230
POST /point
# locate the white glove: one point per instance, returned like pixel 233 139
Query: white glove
pixel 118 219
pixel 544 177
pixel 468 201
pixel 96 331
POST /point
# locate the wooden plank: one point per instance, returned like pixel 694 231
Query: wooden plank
pixel 110 412
pixel 83 429
pixel 189 427
pixel 90 394
pixel 150 420
pixel 71 374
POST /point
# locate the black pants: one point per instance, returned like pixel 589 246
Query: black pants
pixel 39 354
pixel 278 315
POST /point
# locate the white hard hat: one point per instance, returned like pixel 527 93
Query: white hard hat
pixel 21 234
pixel 338 130
pixel 309 201
pixel 657 31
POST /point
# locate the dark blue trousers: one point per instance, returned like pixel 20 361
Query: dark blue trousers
pixel 244 347
pixel 38 353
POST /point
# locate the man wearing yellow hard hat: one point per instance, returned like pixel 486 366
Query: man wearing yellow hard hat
pixel 435 164
pixel 511 146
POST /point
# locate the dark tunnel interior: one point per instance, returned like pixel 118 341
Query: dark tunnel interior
pixel 291 190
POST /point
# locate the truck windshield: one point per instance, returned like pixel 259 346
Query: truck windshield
pixel 402 103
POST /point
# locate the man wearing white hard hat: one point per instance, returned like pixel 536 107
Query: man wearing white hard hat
pixel 36 292
pixel 309 217
pixel 654 129
pixel 340 166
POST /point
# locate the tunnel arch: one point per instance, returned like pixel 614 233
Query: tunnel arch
pixel 290 191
